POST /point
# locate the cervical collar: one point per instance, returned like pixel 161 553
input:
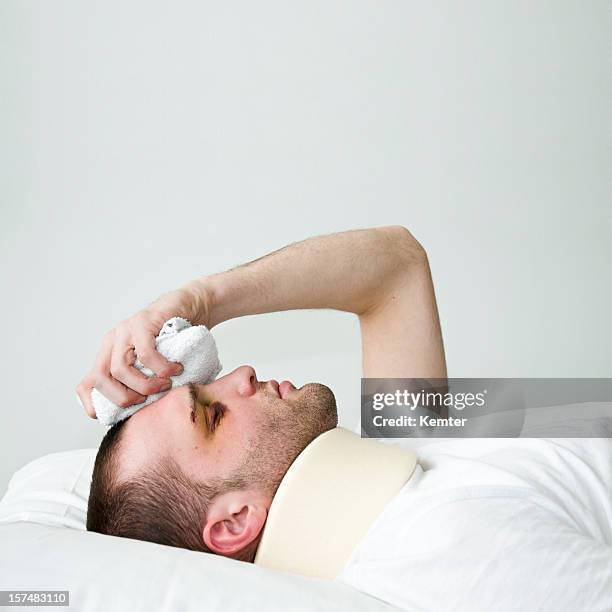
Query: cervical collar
pixel 327 501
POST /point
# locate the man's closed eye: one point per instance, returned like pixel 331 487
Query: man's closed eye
pixel 211 413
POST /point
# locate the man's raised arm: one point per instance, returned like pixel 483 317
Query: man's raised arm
pixel 382 275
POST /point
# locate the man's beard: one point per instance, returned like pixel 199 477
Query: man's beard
pixel 284 433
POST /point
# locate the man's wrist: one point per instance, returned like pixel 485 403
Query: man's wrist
pixel 202 301
pixel 186 302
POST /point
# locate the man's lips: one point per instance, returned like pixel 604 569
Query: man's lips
pixel 281 391
pixel 285 388
pixel 274 385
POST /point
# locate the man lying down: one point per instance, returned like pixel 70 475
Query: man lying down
pixel 502 524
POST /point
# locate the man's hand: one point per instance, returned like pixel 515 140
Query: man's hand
pixel 114 374
pixel 381 275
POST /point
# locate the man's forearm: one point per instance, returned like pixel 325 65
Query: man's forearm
pixel 349 271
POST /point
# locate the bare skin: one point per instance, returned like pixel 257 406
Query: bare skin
pixel 381 275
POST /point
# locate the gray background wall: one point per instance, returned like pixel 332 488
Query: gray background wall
pixel 143 144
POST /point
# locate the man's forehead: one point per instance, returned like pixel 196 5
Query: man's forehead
pixel 147 432
pixel 161 410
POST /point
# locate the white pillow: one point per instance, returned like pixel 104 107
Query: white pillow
pixel 51 490
pixel 45 546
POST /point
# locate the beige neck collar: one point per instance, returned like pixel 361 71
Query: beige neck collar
pixel 327 501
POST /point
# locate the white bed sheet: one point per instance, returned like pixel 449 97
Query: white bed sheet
pixel 439 548
pixel 44 545
pixel 495 524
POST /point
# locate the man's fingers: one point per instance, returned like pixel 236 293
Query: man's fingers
pixel 111 389
pixel 114 374
pixel 116 392
pixel 84 396
pixel 149 357
pixel 85 387
pixel 122 370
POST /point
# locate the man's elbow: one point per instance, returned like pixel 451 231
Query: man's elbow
pixel 408 249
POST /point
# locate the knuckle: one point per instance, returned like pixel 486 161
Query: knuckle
pixel 158 384
pixel 139 387
pixel 124 402
pixel 116 370
pixel 148 386
pixel 165 369
pixel 145 354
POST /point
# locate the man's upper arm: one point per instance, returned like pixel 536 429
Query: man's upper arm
pixel 400 333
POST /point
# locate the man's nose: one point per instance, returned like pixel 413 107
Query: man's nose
pixel 246 380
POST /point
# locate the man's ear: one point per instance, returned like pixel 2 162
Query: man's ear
pixel 233 521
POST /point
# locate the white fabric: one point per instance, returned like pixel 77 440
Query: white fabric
pixel 308 530
pixel 178 341
pixel 495 524
pixel 44 545
pixel 492 525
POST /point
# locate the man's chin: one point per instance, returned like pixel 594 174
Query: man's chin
pixel 320 402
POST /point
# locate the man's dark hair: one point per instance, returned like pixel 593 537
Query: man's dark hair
pixel 160 505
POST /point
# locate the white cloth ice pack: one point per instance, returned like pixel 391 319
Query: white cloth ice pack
pixel 191 345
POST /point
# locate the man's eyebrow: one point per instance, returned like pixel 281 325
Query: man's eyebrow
pixel 193 397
